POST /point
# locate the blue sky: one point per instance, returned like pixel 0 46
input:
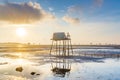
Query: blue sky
pixel 95 21
pixel 90 9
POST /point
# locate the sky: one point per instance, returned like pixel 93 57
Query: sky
pixel 35 21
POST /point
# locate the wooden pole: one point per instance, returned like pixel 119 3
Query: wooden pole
pixel 50 53
pixel 63 49
pixel 68 48
pixel 56 48
pixel 59 47
pixel 71 47
pixel 51 48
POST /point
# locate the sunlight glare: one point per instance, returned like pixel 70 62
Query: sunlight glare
pixel 21 31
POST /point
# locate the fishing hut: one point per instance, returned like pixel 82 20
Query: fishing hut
pixel 61 45
pixel 61 49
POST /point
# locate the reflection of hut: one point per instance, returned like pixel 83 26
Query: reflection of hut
pixel 61 67
pixel 61 44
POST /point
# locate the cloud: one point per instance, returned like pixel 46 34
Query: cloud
pixel 51 9
pixel 75 9
pixel 71 20
pixel 98 3
pixel 23 12
pixel 79 9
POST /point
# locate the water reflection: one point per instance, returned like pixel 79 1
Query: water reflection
pixel 61 67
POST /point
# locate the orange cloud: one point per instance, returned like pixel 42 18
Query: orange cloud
pixel 23 12
pixel 71 20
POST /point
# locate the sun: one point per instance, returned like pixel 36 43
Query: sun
pixel 21 32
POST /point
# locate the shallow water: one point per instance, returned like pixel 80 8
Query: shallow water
pixel 76 68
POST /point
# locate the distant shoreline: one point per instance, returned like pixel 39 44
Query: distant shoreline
pixel 20 47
